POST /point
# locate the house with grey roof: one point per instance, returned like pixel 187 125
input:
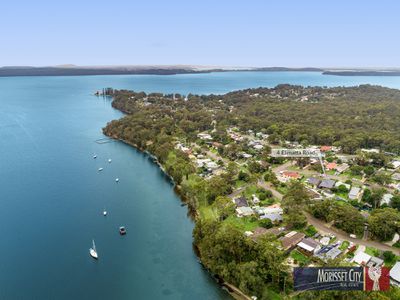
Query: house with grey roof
pixel 375 262
pixel 274 217
pixel 327 184
pixel 244 211
pixel 313 181
pixel 395 274
pixel 241 201
pixel 308 246
pixel 328 252
pixel 354 193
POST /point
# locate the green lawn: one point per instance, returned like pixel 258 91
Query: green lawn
pixel 244 224
pixel 372 251
pixel 299 257
pixel 250 190
pixel 293 168
pixel 341 202
pixel 343 195
pixel 268 201
pixel 282 190
pixel 350 176
pixel 344 245
pixel 207 213
pixel 310 231
pixel 240 183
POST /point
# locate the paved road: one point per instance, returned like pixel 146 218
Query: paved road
pixel 269 186
pixel 238 191
pixel 283 167
pixel 324 228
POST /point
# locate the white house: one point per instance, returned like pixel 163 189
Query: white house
pixel 272 209
pixel 246 155
pixel 396 163
pixel 370 150
pixel 361 258
pixel 395 274
pixel 204 136
pixel 386 199
pixel 244 211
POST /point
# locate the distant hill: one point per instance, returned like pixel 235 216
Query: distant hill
pixel 70 70
pixel 73 70
pixel 363 73
pixel 283 69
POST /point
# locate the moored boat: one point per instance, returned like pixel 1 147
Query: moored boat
pixel 122 230
pixel 93 251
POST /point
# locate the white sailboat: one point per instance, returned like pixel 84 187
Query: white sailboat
pixel 104 212
pixel 93 252
pixel 109 160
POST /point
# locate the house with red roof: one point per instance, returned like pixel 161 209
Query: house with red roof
pixel 291 175
pixel 325 148
pixel 331 166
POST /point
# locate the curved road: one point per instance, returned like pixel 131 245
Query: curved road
pixel 322 227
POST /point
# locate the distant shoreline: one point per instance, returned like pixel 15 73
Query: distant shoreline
pixel 134 70
pixel 362 73
pixel 175 70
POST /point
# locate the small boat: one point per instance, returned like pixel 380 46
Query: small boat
pixel 109 160
pixel 104 213
pixel 122 230
pixel 95 156
pixel 100 169
pixel 116 179
pixel 93 252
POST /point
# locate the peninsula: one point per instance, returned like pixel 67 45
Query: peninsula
pixel 259 216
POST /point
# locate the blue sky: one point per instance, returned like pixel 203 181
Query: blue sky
pixel 232 33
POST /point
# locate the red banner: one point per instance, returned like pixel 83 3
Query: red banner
pixel 376 279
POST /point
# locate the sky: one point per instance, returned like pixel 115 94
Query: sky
pixel 292 33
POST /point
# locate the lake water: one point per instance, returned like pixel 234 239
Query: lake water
pixel 52 195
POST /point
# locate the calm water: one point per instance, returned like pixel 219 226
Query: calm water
pixel 52 195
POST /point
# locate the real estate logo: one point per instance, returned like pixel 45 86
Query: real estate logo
pixel 342 278
pixel 377 279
